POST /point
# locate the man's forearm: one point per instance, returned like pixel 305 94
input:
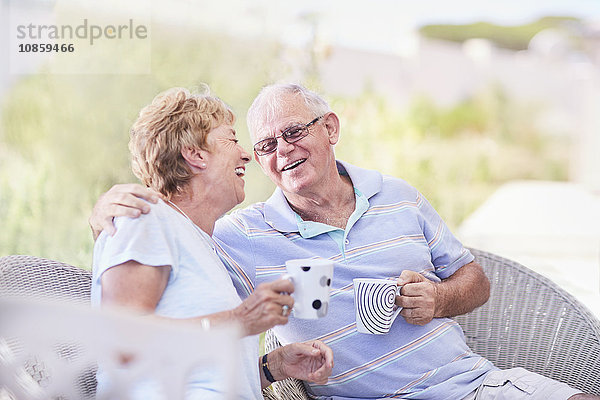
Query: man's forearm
pixel 467 289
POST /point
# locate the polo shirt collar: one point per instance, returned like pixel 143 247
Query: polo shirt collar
pixel 368 181
pixel 280 215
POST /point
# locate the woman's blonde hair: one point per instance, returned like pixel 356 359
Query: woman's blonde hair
pixel 176 119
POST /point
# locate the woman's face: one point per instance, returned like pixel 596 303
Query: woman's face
pixel 225 166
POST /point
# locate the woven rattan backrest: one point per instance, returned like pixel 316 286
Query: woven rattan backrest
pixel 35 277
pixel 39 277
pixel 531 322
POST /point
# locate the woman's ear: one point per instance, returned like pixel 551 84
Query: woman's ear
pixel 195 157
pixel 332 124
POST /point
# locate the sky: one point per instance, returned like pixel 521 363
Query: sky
pixel 419 11
pixel 441 11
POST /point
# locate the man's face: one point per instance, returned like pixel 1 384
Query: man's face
pixel 300 167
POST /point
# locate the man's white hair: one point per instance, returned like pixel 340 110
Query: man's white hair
pixel 268 105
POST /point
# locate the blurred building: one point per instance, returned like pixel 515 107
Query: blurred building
pixel 562 79
pixel 550 227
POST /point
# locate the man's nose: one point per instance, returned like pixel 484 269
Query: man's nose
pixel 284 147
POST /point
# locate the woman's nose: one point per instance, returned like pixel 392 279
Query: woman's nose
pixel 245 156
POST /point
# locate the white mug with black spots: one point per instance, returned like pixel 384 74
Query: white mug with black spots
pixel 312 281
pixel 374 303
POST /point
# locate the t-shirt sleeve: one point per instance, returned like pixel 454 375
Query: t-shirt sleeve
pixel 447 252
pixel 146 239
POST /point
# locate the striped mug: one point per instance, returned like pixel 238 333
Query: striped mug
pixel 374 303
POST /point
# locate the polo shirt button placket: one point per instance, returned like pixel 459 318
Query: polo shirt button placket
pixel 346 242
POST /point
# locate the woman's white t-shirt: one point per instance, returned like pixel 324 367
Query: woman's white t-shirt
pixel 198 283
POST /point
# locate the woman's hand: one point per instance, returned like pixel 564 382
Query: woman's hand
pixel 264 308
pixel 120 200
pixel 310 361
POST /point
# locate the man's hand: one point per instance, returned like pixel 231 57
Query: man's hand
pixel 417 299
pixel 423 300
pixel 120 200
pixel 263 309
pixel 309 361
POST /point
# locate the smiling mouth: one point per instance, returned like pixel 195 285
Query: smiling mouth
pixel 240 171
pixel 293 165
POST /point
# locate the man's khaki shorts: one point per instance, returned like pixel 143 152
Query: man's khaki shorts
pixel 518 383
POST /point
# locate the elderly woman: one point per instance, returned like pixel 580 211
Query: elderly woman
pixel 164 263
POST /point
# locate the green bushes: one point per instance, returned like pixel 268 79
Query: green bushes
pixel 510 37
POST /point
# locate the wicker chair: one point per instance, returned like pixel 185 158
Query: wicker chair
pixel 529 321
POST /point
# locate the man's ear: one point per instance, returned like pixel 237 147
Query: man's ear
pixel 195 157
pixel 332 124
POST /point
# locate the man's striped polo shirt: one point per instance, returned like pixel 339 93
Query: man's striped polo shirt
pixel 393 228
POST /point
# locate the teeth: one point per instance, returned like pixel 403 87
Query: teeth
pixel 293 165
pixel 239 171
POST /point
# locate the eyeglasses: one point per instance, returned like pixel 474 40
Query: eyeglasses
pixel 290 135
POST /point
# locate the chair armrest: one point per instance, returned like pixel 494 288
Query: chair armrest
pixel 287 389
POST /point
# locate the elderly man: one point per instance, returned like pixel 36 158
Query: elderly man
pixel 371 226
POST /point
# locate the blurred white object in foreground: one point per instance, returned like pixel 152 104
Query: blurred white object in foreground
pixel 51 350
